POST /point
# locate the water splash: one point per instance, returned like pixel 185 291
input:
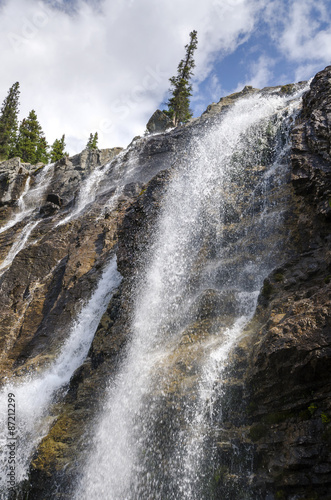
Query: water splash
pixel 35 392
pixel 143 447
pixel 88 192
pixel 31 197
pixel 18 245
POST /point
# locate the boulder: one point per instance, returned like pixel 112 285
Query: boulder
pixel 13 175
pixel 49 209
pixel 54 198
pixel 158 122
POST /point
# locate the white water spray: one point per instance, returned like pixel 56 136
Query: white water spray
pixel 18 245
pixel 128 461
pixel 31 197
pixel 35 393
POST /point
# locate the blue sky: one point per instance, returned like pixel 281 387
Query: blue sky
pixel 104 65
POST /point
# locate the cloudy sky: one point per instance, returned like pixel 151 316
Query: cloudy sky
pixel 104 65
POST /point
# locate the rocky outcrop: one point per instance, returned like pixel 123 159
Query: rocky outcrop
pixel 276 407
pixel 225 102
pixel 70 172
pixel 281 378
pixel 54 273
pixel 289 378
pixel 13 177
pixel 158 122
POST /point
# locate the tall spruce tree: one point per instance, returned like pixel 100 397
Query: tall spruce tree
pixel 181 89
pixel 57 149
pixel 9 122
pixel 92 143
pixel 31 145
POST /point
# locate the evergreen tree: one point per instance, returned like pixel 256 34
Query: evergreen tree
pixel 92 143
pixel 57 151
pixel 8 121
pixel 42 151
pixel 179 104
pixel 31 145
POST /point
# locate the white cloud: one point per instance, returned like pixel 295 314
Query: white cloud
pixel 302 32
pixel 261 72
pixel 105 67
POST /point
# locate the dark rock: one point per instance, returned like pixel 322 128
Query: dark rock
pixel 49 209
pixel 158 122
pixel 288 378
pixel 70 171
pixel 55 199
pixel 13 175
pixel 273 415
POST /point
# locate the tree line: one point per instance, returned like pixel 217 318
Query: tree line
pixel 27 139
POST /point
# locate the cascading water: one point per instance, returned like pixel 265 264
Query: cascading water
pixel 216 242
pixel 31 197
pixel 36 392
pixel 28 203
pixel 18 245
pixel 108 180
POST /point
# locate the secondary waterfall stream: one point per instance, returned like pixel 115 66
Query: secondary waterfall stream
pixel 35 393
pixel 216 241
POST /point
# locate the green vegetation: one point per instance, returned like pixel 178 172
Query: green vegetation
pixel 257 431
pixel 277 417
pixel 220 473
pixel 267 289
pixel 312 408
pixel 279 277
pixel 92 143
pixel 31 145
pixel 28 140
pixel 325 418
pixel 9 122
pixel 58 149
pixel 287 89
pixel 181 90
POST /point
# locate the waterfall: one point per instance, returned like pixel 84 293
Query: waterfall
pixel 31 196
pixel 28 202
pixel 216 241
pixel 18 245
pixel 35 392
pixel 87 192
pixel 108 180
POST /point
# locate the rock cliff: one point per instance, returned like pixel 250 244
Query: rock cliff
pixel 276 401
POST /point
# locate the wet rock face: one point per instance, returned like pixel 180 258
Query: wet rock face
pixel 61 453
pixel 276 399
pixel 13 175
pixel 158 122
pixel 311 150
pixel 70 172
pixel 289 380
pixel 41 290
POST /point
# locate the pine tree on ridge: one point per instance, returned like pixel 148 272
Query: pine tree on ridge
pixel 58 149
pixel 92 143
pixel 179 104
pixel 9 122
pixel 31 145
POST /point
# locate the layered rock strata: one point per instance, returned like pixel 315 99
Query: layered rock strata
pixel 281 377
pixel 276 410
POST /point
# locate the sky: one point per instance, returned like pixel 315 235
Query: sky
pixel 104 65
